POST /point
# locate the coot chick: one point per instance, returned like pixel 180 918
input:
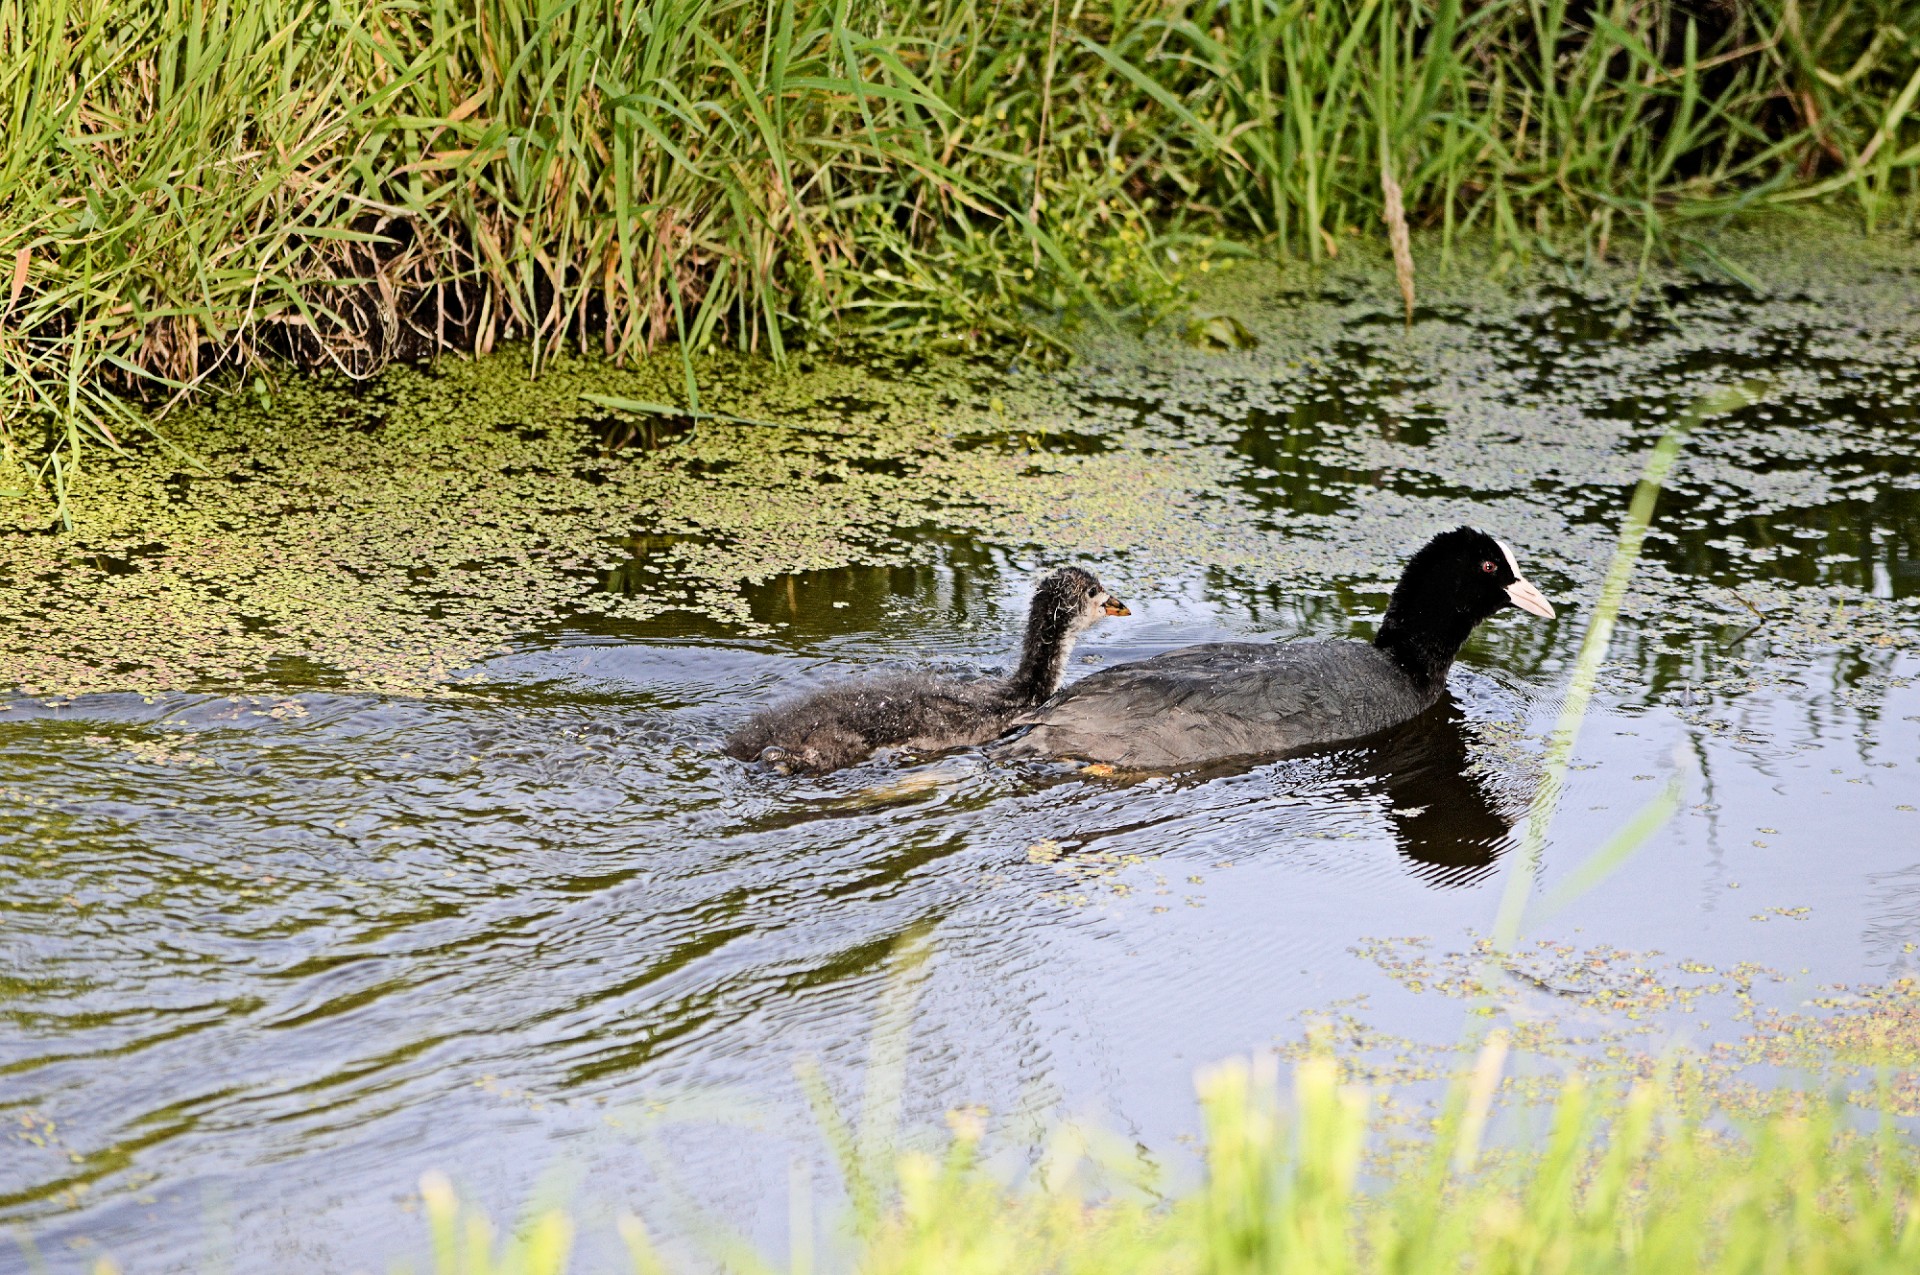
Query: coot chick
pixel 1228 700
pixel 842 724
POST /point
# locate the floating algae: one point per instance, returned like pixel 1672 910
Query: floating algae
pixel 390 535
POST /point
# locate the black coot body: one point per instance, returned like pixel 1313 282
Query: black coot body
pixel 1228 700
pixel 842 724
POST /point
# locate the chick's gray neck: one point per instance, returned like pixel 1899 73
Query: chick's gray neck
pixel 1043 659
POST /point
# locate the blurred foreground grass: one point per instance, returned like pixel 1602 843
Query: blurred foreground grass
pixel 1642 1178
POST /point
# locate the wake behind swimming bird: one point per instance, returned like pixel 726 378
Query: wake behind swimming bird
pixel 925 712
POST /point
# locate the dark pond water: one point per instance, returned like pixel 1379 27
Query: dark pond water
pixel 270 956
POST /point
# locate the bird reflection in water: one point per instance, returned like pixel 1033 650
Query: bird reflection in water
pixel 1447 817
pixel 1446 812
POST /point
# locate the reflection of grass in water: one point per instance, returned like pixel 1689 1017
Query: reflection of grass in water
pixel 1633 1180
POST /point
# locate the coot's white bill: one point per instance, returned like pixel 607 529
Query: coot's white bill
pixel 1528 598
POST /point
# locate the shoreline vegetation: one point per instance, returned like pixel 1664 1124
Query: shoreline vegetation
pixel 1646 1176
pixel 192 188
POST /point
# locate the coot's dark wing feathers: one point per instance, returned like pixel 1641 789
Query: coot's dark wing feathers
pixel 1227 699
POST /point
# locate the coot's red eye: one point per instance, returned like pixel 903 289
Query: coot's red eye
pixel 1488 567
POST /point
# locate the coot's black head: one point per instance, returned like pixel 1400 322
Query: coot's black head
pixel 1456 580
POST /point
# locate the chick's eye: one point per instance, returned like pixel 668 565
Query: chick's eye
pixel 1093 593
pixel 1488 567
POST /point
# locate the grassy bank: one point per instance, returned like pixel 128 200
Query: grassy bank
pixel 1621 1182
pixel 192 186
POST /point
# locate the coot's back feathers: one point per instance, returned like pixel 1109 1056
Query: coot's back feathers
pixel 1224 700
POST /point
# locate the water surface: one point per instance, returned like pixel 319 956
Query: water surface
pixel 274 947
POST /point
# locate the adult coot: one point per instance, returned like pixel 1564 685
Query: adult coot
pixel 839 725
pixel 1228 700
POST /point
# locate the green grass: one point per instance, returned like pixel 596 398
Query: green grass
pixel 1621 1182
pixel 198 185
